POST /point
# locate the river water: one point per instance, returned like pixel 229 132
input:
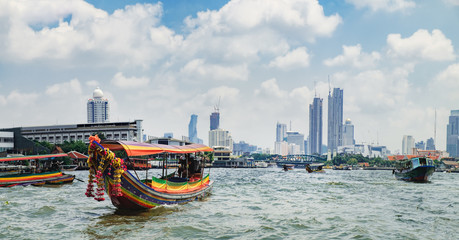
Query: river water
pixel 248 204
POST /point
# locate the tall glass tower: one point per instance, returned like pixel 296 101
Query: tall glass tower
pixel 335 119
pixel 98 108
pixel 192 130
pixel 214 120
pixel 452 134
pixel 315 126
pixel 281 132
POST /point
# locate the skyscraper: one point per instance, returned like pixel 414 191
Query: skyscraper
pixel 315 126
pixel 98 108
pixel 335 119
pixel 348 133
pixel 215 120
pixel 407 144
pixel 296 138
pixel 192 130
pixel 430 145
pixel 281 132
pixel 452 134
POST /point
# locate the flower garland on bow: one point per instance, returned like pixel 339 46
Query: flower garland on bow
pixel 102 156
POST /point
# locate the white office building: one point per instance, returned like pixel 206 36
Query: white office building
pixel 407 144
pixel 98 108
pixel 6 141
pixel 220 138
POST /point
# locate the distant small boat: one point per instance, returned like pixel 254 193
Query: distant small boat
pixel 314 168
pixel 261 164
pixel 418 169
pixel 69 167
pixel 287 167
pixel 36 176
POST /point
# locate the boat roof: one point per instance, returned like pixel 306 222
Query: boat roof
pixel 77 155
pixel 31 157
pixel 142 149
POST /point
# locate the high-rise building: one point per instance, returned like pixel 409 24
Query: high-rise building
pixel 281 132
pixel 297 139
pixel 315 126
pixel 430 145
pixel 335 119
pixel 420 145
pixel 214 120
pixel 98 108
pixel 220 138
pixel 348 133
pixel 407 144
pixel 452 134
pixel 192 130
pixel 281 148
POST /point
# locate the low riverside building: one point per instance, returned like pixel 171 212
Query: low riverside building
pixel 57 134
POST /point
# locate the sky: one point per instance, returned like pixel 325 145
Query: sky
pixel 260 61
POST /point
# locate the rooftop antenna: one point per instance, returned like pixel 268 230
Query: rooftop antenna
pixel 329 86
pixel 315 90
pixel 217 107
pixel 435 127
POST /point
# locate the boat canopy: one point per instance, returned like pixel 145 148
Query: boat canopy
pixel 31 157
pixel 142 149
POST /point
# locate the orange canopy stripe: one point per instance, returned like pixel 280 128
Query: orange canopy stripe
pixel 141 149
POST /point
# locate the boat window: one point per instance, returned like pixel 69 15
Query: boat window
pixel 415 162
pixel 422 161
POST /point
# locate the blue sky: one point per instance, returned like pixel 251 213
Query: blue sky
pixel 396 60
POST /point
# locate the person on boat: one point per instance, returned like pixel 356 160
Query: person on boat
pixel 308 168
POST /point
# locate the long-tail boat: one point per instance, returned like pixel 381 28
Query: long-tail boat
pixel 35 174
pixel 417 169
pixel 109 173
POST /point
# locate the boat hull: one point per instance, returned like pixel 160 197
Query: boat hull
pixel 418 174
pixel 136 195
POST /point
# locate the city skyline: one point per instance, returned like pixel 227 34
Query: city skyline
pixel 266 60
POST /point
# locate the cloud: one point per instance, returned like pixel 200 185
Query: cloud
pixel 74 29
pixel 199 69
pixel 253 28
pixel 64 89
pixel 446 83
pixel 121 81
pixel 297 58
pixel 421 45
pixel 452 2
pixel 383 5
pixel 353 56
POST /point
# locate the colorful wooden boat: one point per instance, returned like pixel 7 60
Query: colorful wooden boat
pixel 35 179
pixel 418 169
pixel 35 176
pixel 127 191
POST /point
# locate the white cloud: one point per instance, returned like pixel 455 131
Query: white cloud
pixel 122 81
pixel 353 56
pixel 64 89
pixel 246 30
pixel 452 2
pixel 421 45
pixel 199 69
pixel 297 58
pixel 384 5
pixel 446 85
pixel 129 36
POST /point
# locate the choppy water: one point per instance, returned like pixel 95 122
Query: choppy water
pixel 248 204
